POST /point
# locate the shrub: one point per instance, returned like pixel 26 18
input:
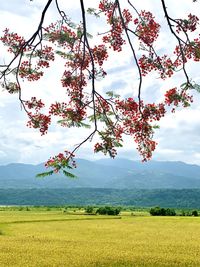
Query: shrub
pixel 64 210
pixel 157 211
pixel 108 211
pixel 182 213
pixel 89 209
pixel 170 212
pixel 195 213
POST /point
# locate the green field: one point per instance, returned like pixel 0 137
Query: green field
pixel 53 238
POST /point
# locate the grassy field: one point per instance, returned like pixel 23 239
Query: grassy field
pixel 53 238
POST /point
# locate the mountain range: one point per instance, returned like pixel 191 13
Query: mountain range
pixel 105 173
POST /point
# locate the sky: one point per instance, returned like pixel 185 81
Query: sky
pixel 179 134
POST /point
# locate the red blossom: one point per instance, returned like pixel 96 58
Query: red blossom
pixel 189 24
pixel 61 161
pixel 147 28
pixel 175 97
pixel 34 103
pixel 13 41
pixel 39 121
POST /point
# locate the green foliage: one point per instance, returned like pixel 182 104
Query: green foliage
pixel 44 174
pixel 170 212
pixel 156 126
pixel 71 123
pixel 64 55
pixel 183 213
pixel 189 213
pixel 108 210
pixel 196 87
pixel 195 213
pixel 157 211
pixel 185 199
pixel 69 174
pixel 89 209
pixel 93 11
pixel 112 94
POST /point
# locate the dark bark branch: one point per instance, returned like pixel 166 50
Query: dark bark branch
pixel 180 41
pixel 133 52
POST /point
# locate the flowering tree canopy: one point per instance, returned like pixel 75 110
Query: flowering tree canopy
pixel 109 115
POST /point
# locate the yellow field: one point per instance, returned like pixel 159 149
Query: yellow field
pixel 56 239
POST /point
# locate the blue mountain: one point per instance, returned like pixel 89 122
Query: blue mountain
pixel 105 173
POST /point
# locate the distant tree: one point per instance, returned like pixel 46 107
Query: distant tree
pixel 195 213
pixel 170 212
pixel 89 209
pixel 157 211
pixel 183 213
pixel 65 210
pixel 108 210
pixel 110 116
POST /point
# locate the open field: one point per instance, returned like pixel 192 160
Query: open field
pixel 53 238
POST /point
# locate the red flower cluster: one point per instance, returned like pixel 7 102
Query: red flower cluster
pixel 64 36
pixel 61 161
pixel 173 96
pixel 39 121
pixel 107 146
pixel 34 103
pixel 136 119
pixel 114 37
pixel 147 29
pixel 191 51
pixel 100 54
pixel 163 65
pixel 13 41
pixel 127 16
pixel 25 71
pixel 11 87
pixel 190 24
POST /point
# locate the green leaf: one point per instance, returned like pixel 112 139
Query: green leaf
pixel 93 11
pixel 74 123
pixel 89 35
pixel 197 52
pixel 87 126
pixel 196 87
pixel 156 127
pixel 117 144
pixel 64 55
pixel 111 94
pixel 69 174
pixel 44 174
pixel 183 85
pixel 192 43
pixel 91 118
pixel 79 33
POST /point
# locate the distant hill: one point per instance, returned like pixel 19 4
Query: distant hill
pixel 174 167
pixel 106 173
pixel 182 198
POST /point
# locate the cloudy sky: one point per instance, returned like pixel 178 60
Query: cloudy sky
pixel 179 133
